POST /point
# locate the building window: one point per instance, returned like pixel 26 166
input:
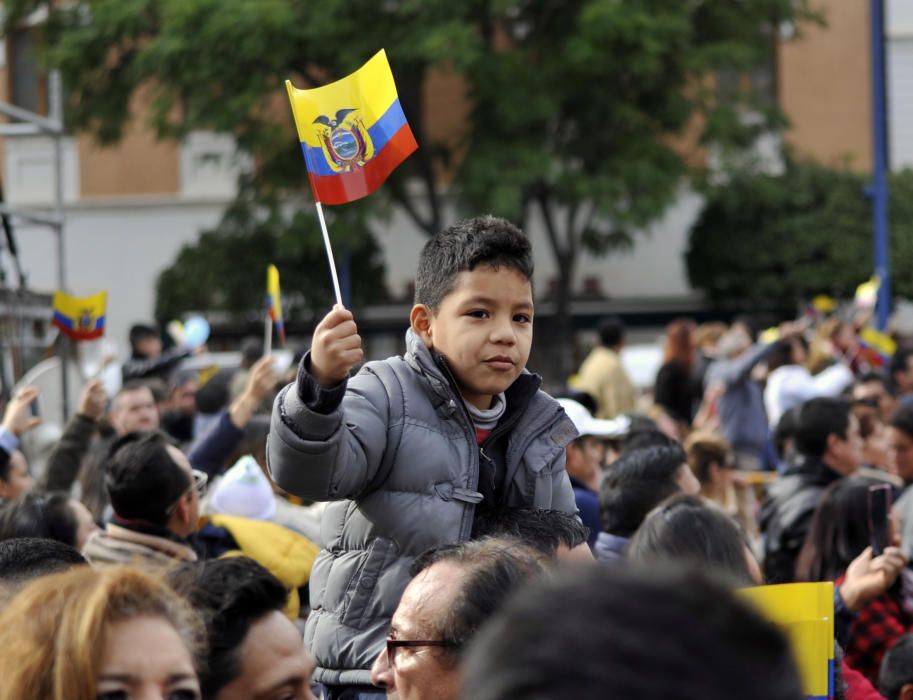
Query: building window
pixel 27 83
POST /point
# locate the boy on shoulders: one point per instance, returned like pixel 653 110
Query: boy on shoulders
pixel 411 447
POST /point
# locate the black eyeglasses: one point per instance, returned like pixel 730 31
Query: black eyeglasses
pixel 198 483
pixel 394 644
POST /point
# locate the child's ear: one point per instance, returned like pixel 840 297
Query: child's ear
pixel 420 319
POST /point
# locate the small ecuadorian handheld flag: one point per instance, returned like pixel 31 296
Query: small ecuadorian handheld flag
pixel 80 318
pixel 878 347
pixel 274 301
pixel 353 132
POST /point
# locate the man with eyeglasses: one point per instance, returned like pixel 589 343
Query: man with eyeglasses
pixel 455 589
pixel 155 495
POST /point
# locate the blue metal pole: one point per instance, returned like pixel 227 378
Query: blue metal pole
pixel 880 181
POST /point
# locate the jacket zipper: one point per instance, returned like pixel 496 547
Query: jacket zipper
pixel 448 375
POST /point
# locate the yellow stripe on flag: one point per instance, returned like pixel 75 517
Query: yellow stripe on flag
pixel 80 318
pixel 370 89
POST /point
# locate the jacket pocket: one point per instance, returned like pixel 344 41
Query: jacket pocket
pixel 362 586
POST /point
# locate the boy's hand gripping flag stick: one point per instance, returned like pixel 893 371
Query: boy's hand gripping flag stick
pixel 353 134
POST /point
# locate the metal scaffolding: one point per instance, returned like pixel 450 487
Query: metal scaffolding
pixel 29 123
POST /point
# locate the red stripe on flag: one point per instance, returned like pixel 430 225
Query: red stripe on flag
pixel 78 335
pixel 347 187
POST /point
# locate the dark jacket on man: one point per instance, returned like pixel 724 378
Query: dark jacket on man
pixel 787 511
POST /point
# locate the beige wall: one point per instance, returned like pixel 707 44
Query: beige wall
pixel 825 89
pixel 137 165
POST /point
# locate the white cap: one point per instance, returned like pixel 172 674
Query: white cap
pixel 245 491
pixel 587 425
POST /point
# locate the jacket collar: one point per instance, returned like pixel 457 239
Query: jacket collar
pixel 808 465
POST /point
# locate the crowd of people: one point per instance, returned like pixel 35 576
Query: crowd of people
pixel 435 526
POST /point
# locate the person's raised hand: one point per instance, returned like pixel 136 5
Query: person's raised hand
pixel 868 576
pixel 336 347
pixel 262 379
pixel 92 400
pixel 17 417
pixel 791 329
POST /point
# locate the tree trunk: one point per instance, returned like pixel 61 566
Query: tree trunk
pixel 564 248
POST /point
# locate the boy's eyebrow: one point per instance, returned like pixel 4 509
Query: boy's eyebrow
pixel 492 302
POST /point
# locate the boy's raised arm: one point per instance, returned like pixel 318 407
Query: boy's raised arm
pixel 327 435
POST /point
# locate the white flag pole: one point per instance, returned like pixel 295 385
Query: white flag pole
pixel 268 335
pixel 326 242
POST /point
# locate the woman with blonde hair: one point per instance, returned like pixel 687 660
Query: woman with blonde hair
pixel 84 634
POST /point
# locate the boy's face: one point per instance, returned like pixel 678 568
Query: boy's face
pixel 484 329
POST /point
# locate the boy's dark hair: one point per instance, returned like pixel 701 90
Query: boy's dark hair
pixel 33 515
pixel 903 420
pixel 551 640
pixel 496 568
pixel 142 331
pixel 635 484
pixel 26 558
pixel 463 247
pixel 815 420
pixel 896 668
pixel 231 595
pixel 142 479
pixel 684 530
pixel 542 529
pixel 611 331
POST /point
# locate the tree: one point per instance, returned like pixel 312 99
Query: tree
pixel 207 275
pixel 582 112
pixel 763 239
pixel 580 109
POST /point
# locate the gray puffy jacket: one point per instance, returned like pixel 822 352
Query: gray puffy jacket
pixel 401 461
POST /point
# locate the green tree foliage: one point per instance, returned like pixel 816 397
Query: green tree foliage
pixel 766 239
pixel 578 108
pixel 226 268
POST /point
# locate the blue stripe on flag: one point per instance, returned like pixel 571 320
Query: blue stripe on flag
pixel 380 132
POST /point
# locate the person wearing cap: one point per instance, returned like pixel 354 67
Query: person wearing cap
pixel 585 456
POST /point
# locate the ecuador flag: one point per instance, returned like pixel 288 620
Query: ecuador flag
pixel 80 318
pixel 353 132
pixel 274 302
